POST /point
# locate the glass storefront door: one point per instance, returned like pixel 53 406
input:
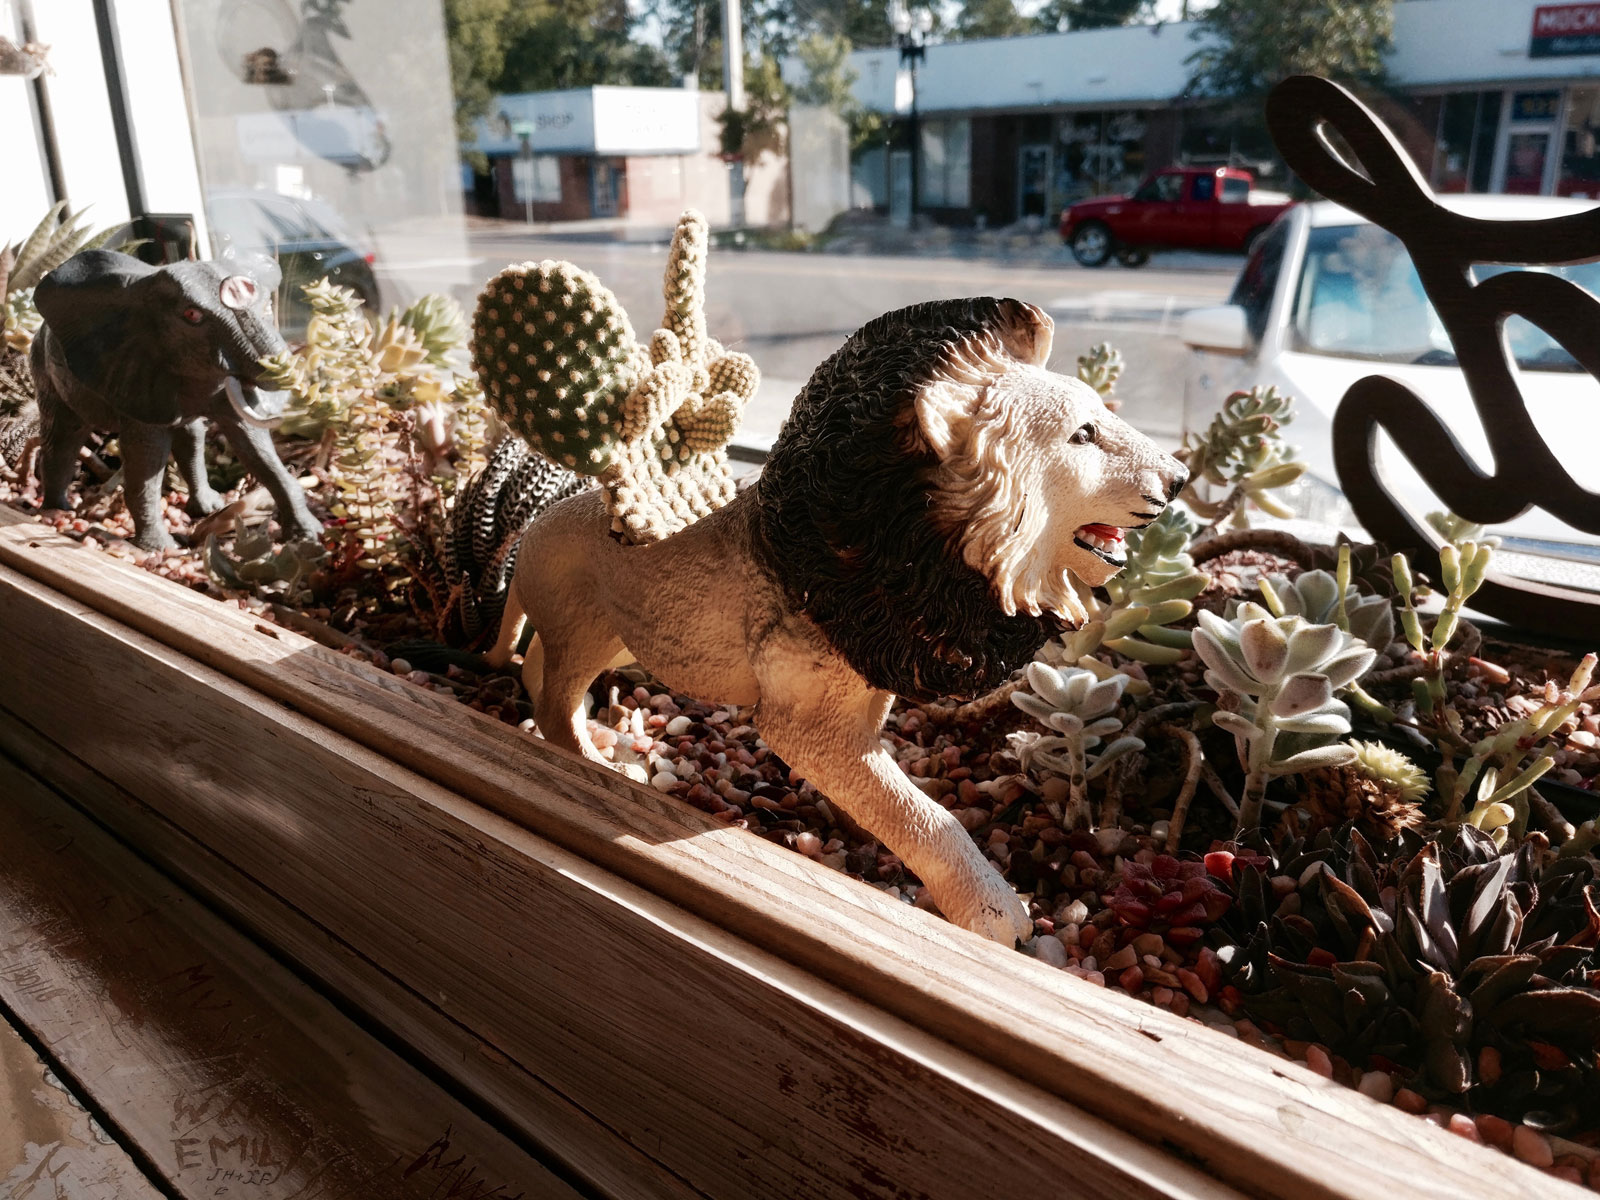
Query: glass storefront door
pixel 1526 157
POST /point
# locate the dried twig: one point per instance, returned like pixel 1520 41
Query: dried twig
pixel 1191 779
pixel 1122 770
pixel 1218 789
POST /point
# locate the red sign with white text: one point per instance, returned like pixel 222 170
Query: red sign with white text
pixel 1563 29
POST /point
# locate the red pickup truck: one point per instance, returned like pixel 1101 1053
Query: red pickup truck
pixel 1196 208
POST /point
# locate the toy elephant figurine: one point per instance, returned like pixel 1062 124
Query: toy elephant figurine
pixel 150 354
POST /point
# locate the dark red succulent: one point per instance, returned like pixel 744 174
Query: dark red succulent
pixel 1167 896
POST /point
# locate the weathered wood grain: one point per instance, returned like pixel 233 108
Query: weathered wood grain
pixel 1267 1126
pixel 568 1134
pixel 50 1147
pixel 744 1075
pixel 231 1075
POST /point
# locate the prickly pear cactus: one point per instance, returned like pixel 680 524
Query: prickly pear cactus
pixel 559 362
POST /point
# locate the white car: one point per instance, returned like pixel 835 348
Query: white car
pixel 1327 298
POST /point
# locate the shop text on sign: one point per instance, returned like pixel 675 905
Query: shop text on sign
pixel 1561 29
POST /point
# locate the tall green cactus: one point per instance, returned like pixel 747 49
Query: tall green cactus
pixel 560 363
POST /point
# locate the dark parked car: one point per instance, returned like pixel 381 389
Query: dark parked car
pixel 306 238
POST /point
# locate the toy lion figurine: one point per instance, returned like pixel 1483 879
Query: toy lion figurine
pixel 921 528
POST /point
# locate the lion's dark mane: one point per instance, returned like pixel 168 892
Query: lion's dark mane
pixel 843 507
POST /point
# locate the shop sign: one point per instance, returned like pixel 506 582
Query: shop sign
pixel 1564 29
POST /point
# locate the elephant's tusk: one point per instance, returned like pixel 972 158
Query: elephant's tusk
pixel 255 405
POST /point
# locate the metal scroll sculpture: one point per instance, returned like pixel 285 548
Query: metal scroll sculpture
pixel 1385 187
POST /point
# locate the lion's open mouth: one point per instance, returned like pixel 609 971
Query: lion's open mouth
pixel 1103 540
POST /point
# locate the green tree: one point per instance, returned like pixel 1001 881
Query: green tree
pixel 474 30
pixel 990 19
pixel 1249 45
pixel 1061 15
pixel 567 47
pixel 759 127
pixel 830 83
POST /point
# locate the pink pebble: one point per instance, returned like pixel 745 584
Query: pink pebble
pixel 1317 1059
pixel 1531 1146
pixel 1410 1101
pixel 1463 1126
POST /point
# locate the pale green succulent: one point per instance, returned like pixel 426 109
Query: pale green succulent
pixel 1277 675
pixel 1080 710
pixel 1314 595
pixel 1101 368
pixel 1243 451
pixel 1152 591
pixel 440 327
pixel 254 562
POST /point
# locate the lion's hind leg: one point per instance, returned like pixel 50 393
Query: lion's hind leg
pixel 512 620
pixel 570 658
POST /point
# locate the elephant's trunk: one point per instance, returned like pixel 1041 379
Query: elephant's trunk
pixel 253 340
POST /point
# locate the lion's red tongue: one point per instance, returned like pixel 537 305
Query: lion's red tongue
pixel 1110 532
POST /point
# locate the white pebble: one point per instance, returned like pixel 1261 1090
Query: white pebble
pixel 664 781
pixel 678 726
pixel 1075 913
pixel 1049 950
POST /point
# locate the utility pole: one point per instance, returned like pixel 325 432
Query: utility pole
pixel 733 81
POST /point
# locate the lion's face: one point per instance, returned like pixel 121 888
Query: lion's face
pixel 1038 479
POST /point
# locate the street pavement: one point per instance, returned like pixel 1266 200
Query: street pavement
pixel 789 311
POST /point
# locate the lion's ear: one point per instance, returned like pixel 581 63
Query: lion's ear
pixel 1026 331
pixel 945 410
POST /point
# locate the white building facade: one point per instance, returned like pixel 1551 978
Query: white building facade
pixel 1488 95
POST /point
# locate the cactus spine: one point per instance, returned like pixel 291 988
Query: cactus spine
pixel 559 362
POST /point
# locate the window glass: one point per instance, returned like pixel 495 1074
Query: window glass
pixel 1205 187
pixel 946 164
pixel 1259 280
pixel 1359 297
pixel 1235 191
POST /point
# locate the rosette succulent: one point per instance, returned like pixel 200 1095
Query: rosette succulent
pixel 1080 710
pixel 1277 675
pixel 462 582
pixel 1470 968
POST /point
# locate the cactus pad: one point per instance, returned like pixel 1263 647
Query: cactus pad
pixel 559 362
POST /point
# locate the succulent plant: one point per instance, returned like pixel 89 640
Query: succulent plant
pixel 558 361
pixel 1151 592
pixel 439 325
pixel 1509 761
pixel 1243 451
pixel 1079 709
pixel 1380 791
pixel 1175 899
pixel 255 564
pixel 462 581
pixel 1100 369
pixel 1469 967
pixel 1277 675
pixel 1315 595
pixel 1462 569
pixel 56 238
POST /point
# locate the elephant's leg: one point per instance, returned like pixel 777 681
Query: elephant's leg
pixel 189 447
pixel 253 445
pixel 61 435
pixel 145 449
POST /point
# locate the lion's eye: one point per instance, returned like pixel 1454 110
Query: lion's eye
pixel 193 315
pixel 1084 435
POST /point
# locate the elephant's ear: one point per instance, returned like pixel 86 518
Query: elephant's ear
pixel 95 305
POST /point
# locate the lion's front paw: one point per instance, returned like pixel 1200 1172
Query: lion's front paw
pixel 986 904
